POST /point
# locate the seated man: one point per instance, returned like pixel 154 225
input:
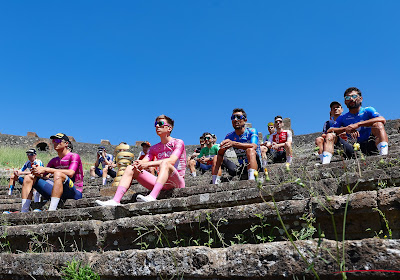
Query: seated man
pixel 363 125
pixel 67 174
pixel 245 144
pixel 145 150
pixel 192 162
pixel 281 143
pixel 25 170
pixel 107 165
pixel 205 158
pixel 341 142
pixel 169 156
pixel 264 150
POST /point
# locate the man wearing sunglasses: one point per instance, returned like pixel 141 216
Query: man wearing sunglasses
pixel 168 156
pixel 25 170
pixel 244 142
pixel 280 143
pixel 192 162
pixel 205 158
pixel 362 125
pixel 67 176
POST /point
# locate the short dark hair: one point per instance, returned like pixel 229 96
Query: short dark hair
pixel 350 89
pixel 169 120
pixel 236 110
pixel 206 133
pixel 278 117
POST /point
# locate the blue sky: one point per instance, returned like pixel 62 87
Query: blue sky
pixel 105 69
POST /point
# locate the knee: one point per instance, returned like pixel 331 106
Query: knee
pixel 319 141
pixel 59 175
pixel 330 137
pixel 92 168
pixel 165 164
pixel 250 152
pixel 378 125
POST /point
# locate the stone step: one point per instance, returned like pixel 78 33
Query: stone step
pixel 223 195
pixel 216 227
pixel 244 261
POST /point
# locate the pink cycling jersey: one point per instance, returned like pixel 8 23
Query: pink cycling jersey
pixel 174 147
pixel 70 161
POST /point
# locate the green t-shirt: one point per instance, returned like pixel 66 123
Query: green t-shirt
pixel 209 152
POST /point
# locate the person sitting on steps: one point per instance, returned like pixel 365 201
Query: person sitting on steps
pixel 169 156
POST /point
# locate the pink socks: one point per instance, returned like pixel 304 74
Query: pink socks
pixel 156 190
pixel 119 194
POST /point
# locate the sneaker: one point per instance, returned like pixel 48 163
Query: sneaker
pixel 37 210
pixel 147 198
pixel 6 212
pixel 110 202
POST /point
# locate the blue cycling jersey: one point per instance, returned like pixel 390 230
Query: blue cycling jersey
pixel 364 114
pixel 250 135
pixel 28 164
pixel 328 125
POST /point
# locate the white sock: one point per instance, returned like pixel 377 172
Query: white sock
pixel 326 157
pixel 54 203
pixel 289 159
pixel 216 179
pixel 250 173
pixel 321 157
pixel 104 181
pixel 36 196
pixel 25 205
pixel 194 174
pixel 383 148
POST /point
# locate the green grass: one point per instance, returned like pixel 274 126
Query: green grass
pixel 14 157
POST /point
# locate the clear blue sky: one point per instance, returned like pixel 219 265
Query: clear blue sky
pixel 105 69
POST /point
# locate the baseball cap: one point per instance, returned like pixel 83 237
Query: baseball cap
pixel 147 143
pixel 60 136
pixel 31 151
pixel 335 103
pixel 101 148
pixel 270 124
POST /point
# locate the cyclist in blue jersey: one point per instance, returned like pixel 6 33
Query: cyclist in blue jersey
pixel 25 170
pixel 361 124
pixel 244 142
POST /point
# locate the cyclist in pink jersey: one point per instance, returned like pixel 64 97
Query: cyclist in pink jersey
pixel 67 174
pixel 168 156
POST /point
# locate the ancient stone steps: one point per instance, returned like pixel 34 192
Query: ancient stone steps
pixel 244 261
pixel 196 227
pixel 235 193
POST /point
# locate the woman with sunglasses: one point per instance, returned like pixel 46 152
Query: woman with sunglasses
pixel 168 157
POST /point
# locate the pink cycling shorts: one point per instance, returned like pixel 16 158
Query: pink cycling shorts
pixel 148 180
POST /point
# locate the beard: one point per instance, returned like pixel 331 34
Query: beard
pixel 355 105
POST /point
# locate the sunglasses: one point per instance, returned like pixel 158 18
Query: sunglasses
pixel 207 138
pixel 348 97
pixel 57 141
pixel 30 154
pixel 160 124
pixel 237 117
pixel 278 121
